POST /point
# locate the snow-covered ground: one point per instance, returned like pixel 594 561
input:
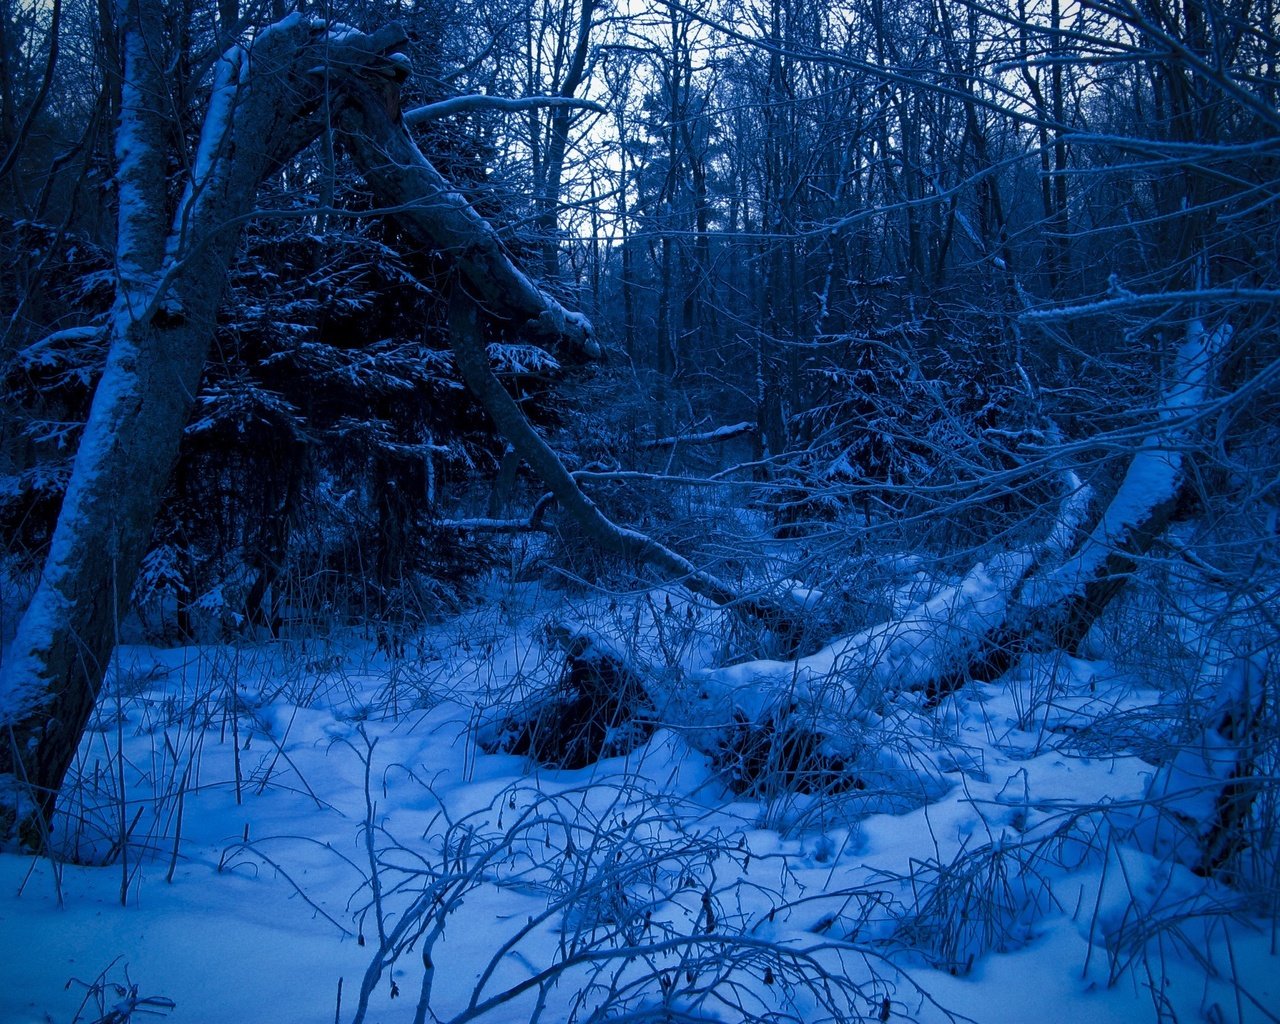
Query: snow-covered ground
pixel 296 811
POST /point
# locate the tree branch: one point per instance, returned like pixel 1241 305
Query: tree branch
pixel 437 214
pixel 507 104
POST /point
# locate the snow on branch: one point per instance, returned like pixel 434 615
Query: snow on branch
pixel 507 104
pixel 42 352
pixel 1152 480
pixel 487 525
pixel 707 437
pixel 1126 300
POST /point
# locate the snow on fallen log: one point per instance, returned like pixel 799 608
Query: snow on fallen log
pixel 1068 599
pixel 856 673
pixel 490 525
pixel 853 675
pixel 1019 601
pixel 599 708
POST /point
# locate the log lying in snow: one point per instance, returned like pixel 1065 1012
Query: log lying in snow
pixel 796 723
pixel 486 525
pixel 1021 601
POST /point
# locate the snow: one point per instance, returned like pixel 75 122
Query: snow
pixel 339 32
pixel 22 687
pixel 1183 796
pixel 287 763
pixel 855 673
pixel 230 76
pixel 1153 475
pixel 724 433
pixel 1075 508
pixel 44 354
pixel 509 358
pixel 132 149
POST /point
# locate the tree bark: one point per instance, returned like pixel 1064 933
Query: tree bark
pixel 471 354
pixel 265 107
pixel 171 275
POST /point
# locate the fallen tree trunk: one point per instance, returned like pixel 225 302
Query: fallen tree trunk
pixel 716 436
pixel 1057 606
pixel 793 724
pixel 1027 600
pixel 600 708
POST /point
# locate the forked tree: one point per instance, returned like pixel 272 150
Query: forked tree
pixel 270 99
pixel 297 79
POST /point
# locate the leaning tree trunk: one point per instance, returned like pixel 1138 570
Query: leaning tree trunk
pixel 429 209
pixel 472 355
pixel 435 213
pixel 1057 606
pixel 265 107
pixel 171 276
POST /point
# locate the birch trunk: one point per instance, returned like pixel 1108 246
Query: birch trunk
pixel 264 108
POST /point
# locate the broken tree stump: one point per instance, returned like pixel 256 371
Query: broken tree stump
pixel 599 708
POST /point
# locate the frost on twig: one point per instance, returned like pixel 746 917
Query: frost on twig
pixel 473 102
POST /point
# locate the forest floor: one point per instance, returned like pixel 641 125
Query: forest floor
pixel 258 822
